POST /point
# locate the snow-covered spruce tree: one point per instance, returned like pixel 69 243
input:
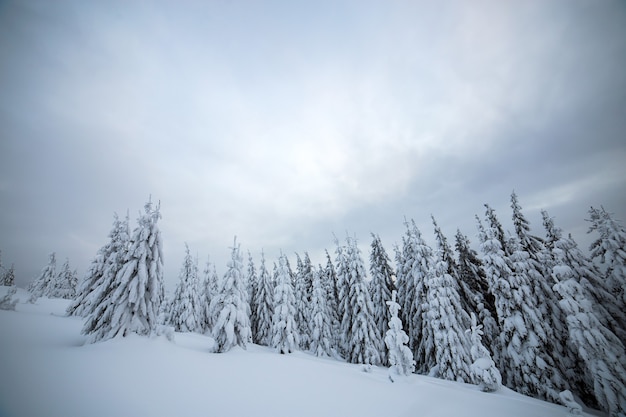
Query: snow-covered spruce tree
pixel 445 316
pixel 7 302
pixel 602 352
pixel 208 291
pixel 329 280
pixel 404 281
pixel 185 309
pixel 285 338
pixel 418 262
pixel 498 230
pixel 474 283
pixel 538 272
pixel 65 283
pixel 99 281
pixel 525 365
pixel 9 277
pixel 252 283
pixel 360 339
pixel 264 306
pixel 604 302
pixel 609 249
pixel 303 289
pixel 530 243
pixel 483 371
pixel 134 301
pixel 343 289
pixel 400 356
pixel 447 255
pixel 380 288
pixel 321 340
pixel 44 283
pixel 230 307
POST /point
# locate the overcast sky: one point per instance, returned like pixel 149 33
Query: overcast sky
pixel 282 122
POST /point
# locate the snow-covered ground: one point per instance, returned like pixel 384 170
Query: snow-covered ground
pixel 47 371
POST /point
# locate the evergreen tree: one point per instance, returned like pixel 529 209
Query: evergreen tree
pixel 321 340
pixel 418 262
pixel 43 285
pixel 99 281
pixel 230 307
pixel 264 305
pixel 253 282
pixel 185 309
pixel 530 243
pixel 209 290
pixel 132 302
pixel 445 317
pixel 7 302
pixel 380 287
pixel 605 304
pixel 329 280
pixel 537 271
pixel 498 230
pixel 483 370
pixel 527 367
pixel 609 249
pixel 65 283
pixel 343 290
pixel 473 283
pixel 285 338
pixel 599 348
pixel 400 356
pixel 361 341
pixel 9 277
pixel 303 290
pixel 404 281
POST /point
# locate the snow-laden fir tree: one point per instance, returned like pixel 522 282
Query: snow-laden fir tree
pixel 418 261
pixel 404 281
pixel 400 356
pixel 252 283
pixel 230 307
pixel 525 365
pixel 65 283
pixel 44 283
pixel 360 339
pixel 134 301
pixel 538 272
pixel 9 277
pixel 483 371
pixel 263 306
pixel 445 316
pixel 303 288
pixel 329 281
pixel 99 281
pixel 602 352
pixel 208 291
pixel 380 287
pixel 343 289
pixel 609 250
pixel 185 308
pixel 285 338
pixel 321 339
pixel 7 302
pixel 605 304
pixel 474 284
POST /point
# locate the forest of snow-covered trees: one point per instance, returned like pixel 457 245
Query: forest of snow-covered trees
pixel 527 310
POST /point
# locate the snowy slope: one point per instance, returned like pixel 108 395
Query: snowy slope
pixel 45 370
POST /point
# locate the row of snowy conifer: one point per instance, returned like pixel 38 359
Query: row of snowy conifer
pixel 552 319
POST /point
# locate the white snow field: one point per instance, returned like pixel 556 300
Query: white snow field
pixel 46 370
